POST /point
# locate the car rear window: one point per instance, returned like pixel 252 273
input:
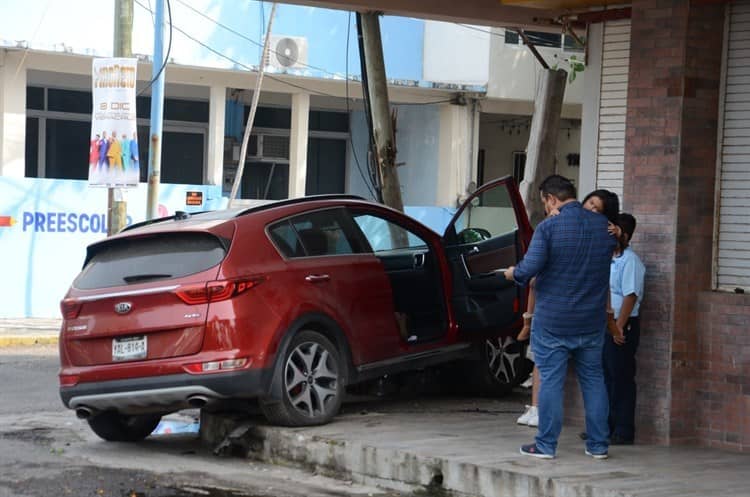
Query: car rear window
pixel 157 257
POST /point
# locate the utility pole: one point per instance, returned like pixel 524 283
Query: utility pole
pixel 540 152
pixel 157 115
pixel 251 115
pixel 377 95
pixel 117 209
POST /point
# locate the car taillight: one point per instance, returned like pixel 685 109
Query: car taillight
pixel 215 291
pixel 214 366
pixel 68 380
pixel 70 308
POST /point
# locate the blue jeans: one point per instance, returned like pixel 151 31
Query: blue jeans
pixel 551 354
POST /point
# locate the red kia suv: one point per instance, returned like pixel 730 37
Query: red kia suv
pixel 288 302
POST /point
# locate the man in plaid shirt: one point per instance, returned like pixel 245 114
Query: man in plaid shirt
pixel 570 256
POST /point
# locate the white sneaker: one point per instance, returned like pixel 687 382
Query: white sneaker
pixel 528 382
pixel 533 420
pixel 531 415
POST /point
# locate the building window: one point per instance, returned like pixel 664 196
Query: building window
pixel 60 119
pixel 326 166
pixel 328 121
pixel 270 117
pixel 265 180
pixel 67 149
pixel 175 109
pixel 77 102
pixel 32 147
pixel 35 98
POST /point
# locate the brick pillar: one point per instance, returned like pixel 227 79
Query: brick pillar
pixel 670 164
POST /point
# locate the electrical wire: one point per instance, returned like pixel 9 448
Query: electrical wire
pixel 529 34
pixel 244 37
pixel 262 23
pixel 166 56
pixel 245 66
pixel 348 113
pixel 238 63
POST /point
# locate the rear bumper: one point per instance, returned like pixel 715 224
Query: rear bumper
pixel 166 393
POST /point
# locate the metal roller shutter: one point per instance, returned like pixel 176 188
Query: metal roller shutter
pixel 613 105
pixel 733 257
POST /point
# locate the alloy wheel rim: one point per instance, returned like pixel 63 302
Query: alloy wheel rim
pixel 311 379
pixel 502 358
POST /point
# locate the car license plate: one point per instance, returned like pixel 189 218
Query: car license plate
pixel 127 349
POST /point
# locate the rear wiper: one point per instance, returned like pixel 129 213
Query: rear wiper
pixel 142 277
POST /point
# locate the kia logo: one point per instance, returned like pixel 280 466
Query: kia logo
pixel 123 307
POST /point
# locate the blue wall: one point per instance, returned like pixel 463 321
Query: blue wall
pixel 46 227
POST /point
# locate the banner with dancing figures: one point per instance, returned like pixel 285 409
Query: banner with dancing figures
pixel 113 152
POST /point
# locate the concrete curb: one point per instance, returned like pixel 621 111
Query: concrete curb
pixel 406 470
pixel 397 466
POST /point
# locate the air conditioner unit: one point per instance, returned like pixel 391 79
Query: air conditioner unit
pixel 287 52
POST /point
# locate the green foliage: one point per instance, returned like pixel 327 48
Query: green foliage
pixel 574 66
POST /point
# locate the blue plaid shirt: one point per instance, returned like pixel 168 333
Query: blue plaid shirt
pixel 570 255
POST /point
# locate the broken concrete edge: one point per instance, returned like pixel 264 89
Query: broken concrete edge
pixel 27 340
pixel 400 469
pixel 394 468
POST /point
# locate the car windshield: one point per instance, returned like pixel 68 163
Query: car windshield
pixel 140 259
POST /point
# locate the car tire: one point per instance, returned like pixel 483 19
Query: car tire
pixel 311 387
pixel 502 365
pixel 115 427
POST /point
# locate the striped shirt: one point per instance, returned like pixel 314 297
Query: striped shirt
pixel 570 255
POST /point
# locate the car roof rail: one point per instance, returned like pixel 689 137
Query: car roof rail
pixel 177 216
pixel 180 215
pixel 299 200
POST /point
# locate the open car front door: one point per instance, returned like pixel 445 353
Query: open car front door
pixel 488 233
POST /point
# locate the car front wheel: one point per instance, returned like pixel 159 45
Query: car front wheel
pixel 115 427
pixel 311 387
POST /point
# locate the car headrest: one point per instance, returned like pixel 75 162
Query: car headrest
pixel 315 241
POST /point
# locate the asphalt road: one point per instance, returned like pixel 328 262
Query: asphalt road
pixel 45 450
pixel 28 379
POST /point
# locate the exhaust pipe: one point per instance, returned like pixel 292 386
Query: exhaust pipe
pixel 84 412
pixel 197 401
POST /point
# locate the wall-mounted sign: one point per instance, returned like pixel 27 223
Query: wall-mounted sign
pixel 193 198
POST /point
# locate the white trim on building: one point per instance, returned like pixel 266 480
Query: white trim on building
pixel 613 100
pixel 732 258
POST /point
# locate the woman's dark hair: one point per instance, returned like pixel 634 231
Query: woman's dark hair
pixel 611 203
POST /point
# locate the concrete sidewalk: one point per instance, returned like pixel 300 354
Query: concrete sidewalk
pixel 471 447
pixel 28 331
pixel 467 446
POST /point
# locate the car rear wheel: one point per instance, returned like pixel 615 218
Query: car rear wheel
pixel 311 388
pixel 115 427
pixel 502 365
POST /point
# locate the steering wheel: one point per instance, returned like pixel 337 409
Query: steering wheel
pixel 473 235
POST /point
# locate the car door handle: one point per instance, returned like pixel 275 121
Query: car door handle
pixel 317 278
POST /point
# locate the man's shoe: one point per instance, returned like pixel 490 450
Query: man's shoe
pixel 525 418
pixel 618 440
pixel 533 451
pixel 603 455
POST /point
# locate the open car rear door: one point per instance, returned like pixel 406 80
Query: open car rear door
pixel 489 232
